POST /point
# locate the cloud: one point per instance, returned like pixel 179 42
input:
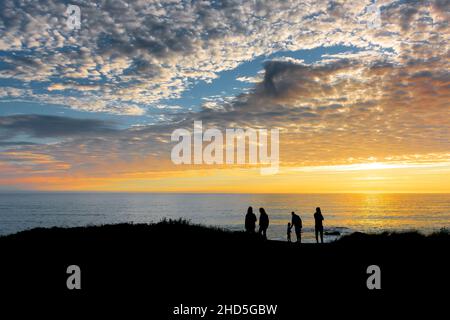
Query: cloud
pixel 128 56
pixel 44 126
pixel 365 107
pixel 61 86
pixel 249 79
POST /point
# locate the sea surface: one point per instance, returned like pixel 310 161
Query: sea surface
pixel 343 213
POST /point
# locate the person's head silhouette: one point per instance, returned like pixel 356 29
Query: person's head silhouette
pixel 318 210
pixel 262 211
pixel 249 210
pixel 293 213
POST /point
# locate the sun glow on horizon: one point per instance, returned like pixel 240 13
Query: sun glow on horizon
pixel 371 166
pixel 373 177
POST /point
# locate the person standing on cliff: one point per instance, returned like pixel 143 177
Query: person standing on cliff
pixel 289 231
pixel 250 221
pixel 297 224
pixel 263 222
pixel 318 218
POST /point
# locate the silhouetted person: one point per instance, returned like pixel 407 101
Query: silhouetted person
pixel 289 231
pixel 297 223
pixel 263 222
pixel 318 218
pixel 250 221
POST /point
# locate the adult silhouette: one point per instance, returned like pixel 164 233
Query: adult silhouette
pixel 250 221
pixel 263 222
pixel 297 223
pixel 318 218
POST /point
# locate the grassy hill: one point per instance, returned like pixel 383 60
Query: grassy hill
pixel 178 262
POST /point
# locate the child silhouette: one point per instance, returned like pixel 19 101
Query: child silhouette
pixel 289 230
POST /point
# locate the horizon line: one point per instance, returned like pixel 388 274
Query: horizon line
pixel 209 192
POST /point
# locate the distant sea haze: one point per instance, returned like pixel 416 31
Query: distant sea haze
pixel 344 213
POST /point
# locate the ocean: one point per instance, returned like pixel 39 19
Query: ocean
pixel 344 213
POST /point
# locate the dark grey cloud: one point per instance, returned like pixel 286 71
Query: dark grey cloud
pixel 283 79
pixel 45 126
pixel 16 143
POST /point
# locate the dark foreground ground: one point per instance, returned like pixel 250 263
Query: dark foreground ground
pixel 155 268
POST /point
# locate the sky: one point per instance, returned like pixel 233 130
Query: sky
pixel 359 91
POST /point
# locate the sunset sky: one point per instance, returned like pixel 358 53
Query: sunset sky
pixel 361 96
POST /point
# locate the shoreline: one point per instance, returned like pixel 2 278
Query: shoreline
pixel 187 226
